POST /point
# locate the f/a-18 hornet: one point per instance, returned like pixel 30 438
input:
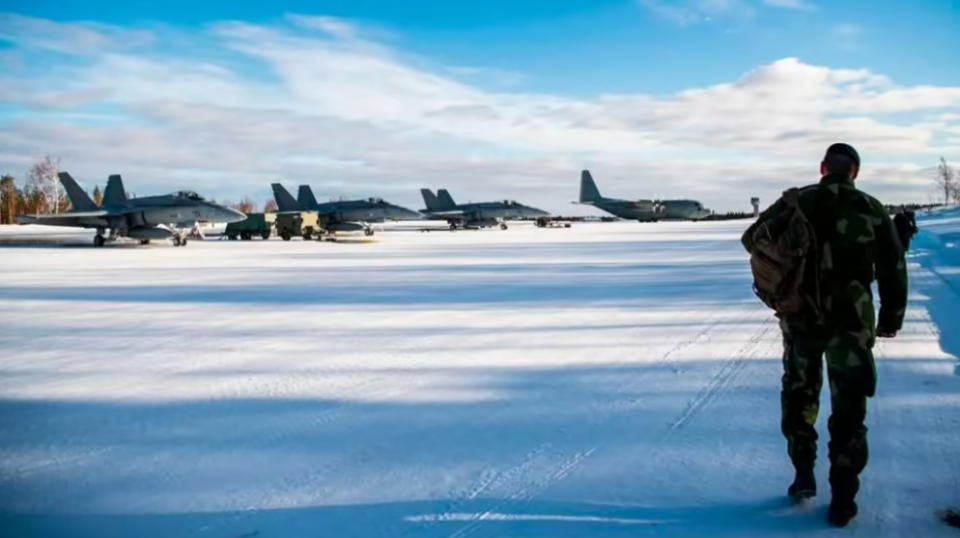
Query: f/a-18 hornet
pixel 341 215
pixel 641 210
pixel 475 215
pixel 147 218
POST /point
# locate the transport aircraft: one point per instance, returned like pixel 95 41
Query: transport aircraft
pixel 641 210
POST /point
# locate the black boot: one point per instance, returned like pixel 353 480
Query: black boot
pixel 844 486
pixel 804 485
pixel 842 511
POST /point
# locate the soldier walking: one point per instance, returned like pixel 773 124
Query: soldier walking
pixel 825 305
pixel 906 224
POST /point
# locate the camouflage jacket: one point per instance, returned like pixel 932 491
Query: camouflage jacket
pixel 858 244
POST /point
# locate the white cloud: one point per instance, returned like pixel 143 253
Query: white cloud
pixel 687 12
pixel 791 4
pixel 846 31
pixel 354 117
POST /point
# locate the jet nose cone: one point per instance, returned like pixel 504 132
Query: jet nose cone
pixel 538 212
pixel 232 215
pixel 402 213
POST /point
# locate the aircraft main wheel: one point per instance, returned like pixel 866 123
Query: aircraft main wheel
pixel 144 241
pixel 503 226
pixel 368 232
pixel 176 240
pixel 98 241
pixel 183 242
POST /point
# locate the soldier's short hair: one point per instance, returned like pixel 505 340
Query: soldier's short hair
pixel 838 163
pixel 841 158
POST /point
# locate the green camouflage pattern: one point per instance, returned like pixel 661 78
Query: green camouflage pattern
pixel 852 377
pixel 858 243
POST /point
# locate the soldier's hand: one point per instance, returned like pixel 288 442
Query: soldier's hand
pixel 885 333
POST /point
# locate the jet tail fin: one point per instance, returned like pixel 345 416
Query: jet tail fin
pixel 430 200
pixel 446 201
pixel 79 200
pixel 588 189
pixel 283 198
pixel 114 194
pixel 305 197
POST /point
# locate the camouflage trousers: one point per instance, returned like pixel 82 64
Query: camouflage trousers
pixel 852 379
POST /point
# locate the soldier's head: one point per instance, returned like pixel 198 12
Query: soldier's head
pixel 841 159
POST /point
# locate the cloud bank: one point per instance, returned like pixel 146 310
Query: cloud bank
pixel 228 109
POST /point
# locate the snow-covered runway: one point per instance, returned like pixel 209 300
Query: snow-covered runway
pixel 604 380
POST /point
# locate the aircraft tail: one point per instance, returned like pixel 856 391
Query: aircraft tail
pixel 283 198
pixel 588 189
pixel 446 201
pixel 79 200
pixel 430 200
pixel 114 194
pixel 305 197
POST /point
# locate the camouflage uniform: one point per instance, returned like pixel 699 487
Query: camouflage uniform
pixel 858 243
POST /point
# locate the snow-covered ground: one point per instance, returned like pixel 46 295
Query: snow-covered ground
pixel 604 380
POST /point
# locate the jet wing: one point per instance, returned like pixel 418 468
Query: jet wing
pixel 69 215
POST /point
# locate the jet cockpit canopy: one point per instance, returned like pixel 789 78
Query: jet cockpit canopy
pixel 375 200
pixel 188 195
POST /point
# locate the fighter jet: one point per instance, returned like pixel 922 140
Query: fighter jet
pixel 151 217
pixel 341 216
pixel 474 215
pixel 640 210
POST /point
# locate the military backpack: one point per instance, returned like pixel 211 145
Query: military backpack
pixel 784 260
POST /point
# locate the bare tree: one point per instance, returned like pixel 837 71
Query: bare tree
pixel 8 205
pixel 97 195
pixel 246 205
pixel 43 179
pixel 946 181
pixel 271 205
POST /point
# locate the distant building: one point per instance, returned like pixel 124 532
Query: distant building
pixel 755 202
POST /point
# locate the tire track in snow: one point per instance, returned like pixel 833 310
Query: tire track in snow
pixel 513 478
pixel 727 374
pixel 558 471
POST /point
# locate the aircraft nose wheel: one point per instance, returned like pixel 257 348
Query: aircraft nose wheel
pixel 503 226
pixel 368 232
pixel 98 240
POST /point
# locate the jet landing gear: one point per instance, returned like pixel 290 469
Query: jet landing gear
pixel 99 240
pixel 503 226
pixel 179 240
pixel 368 232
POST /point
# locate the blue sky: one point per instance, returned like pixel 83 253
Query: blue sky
pixel 539 65
pixel 589 46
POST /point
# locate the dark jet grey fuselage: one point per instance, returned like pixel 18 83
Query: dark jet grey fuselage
pixel 641 210
pixel 342 216
pixel 147 218
pixel 477 215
